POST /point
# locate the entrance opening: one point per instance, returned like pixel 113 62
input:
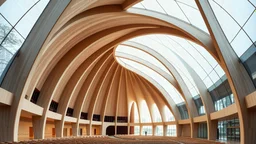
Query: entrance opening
pixel 110 130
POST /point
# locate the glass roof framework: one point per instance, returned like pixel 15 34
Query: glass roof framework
pixel 139 53
pixel 150 59
pixel 173 48
pixel 185 10
pixel 241 15
pixel 173 93
pixel 16 20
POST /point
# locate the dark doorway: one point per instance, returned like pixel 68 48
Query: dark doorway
pixel 53 132
pixel 31 132
pixel 70 132
pixel 122 130
pixel 95 131
pixel 110 130
pixel 81 131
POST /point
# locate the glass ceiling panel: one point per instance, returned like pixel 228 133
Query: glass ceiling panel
pixel 28 21
pixel 14 9
pixel 237 20
pixel 172 47
pixel 185 10
pixel 141 54
pixel 167 54
pixel 231 7
pixel 158 78
pixel 17 17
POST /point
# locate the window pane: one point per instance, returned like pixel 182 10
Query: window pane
pixel 5 28
pixel 208 82
pixel 156 114
pixel 241 43
pixel 168 114
pixel 28 21
pixel 14 9
pixel 231 7
pixel 250 27
pixel 13 41
pixel 225 21
pixel 159 131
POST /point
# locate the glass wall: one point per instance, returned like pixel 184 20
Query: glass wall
pixel 16 20
pixel 229 130
pixel 221 94
pixel 199 105
pixel 136 113
pixel 156 114
pixel 183 110
pixel 202 130
pixel 168 114
pixel 249 61
pixel 145 114
pixel 171 130
pixel 136 130
pixel 146 130
pixel 159 131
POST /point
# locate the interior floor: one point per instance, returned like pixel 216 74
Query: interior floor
pixel 120 139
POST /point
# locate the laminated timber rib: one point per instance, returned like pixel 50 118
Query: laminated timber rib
pixel 70 57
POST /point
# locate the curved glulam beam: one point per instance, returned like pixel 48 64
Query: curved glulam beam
pixel 76 7
pixel 74 85
pixel 197 34
pixel 192 110
pixel 39 77
pixel 63 38
pixel 139 98
pixel 101 90
pixel 150 99
pixel 129 3
pixel 122 109
pixel 147 64
pixel 82 95
pixel 111 88
pixel 184 90
pixel 161 72
pixel 157 96
pixel 130 96
pixel 95 83
pixel 120 89
pixel 140 94
pixel 168 98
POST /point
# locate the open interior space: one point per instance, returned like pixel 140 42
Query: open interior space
pixel 128 71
